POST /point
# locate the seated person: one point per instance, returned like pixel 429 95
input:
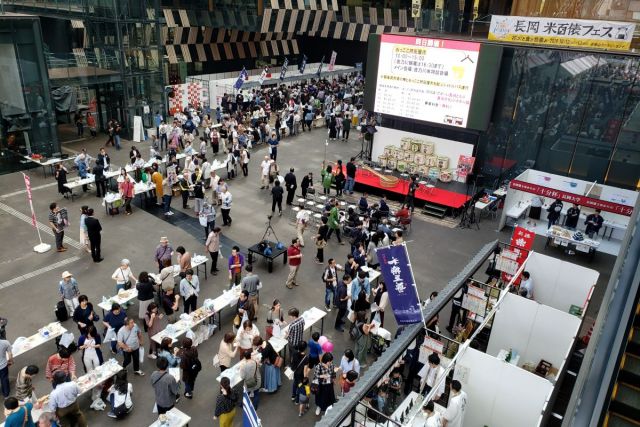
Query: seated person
pixel 384 208
pixel 384 227
pixel 120 396
pixel 403 215
pixel 363 204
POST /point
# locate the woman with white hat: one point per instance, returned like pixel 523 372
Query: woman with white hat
pixel 69 291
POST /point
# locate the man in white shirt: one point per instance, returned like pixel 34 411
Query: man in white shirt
pixel 189 290
pixel 63 401
pixel 454 415
pixel 526 285
pixel 302 219
pixel 264 172
pixel 434 377
pixel 226 206
pixel 432 418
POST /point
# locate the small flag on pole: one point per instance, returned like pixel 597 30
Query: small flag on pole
pixel 249 415
pixel 241 78
pixel 284 68
pixel 303 65
pixel 320 67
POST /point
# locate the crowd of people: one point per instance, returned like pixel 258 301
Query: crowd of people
pixel 256 117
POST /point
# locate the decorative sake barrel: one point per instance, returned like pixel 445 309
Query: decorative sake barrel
pixel 445 175
pixel 428 148
pixel 443 162
pixel 401 166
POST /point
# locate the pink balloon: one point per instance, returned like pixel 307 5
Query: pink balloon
pixel 322 340
pixel 327 347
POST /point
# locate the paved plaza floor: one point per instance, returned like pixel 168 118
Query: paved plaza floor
pixel 28 281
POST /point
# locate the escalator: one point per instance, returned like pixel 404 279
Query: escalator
pixel 624 404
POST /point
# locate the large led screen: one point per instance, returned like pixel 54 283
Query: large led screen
pixel 426 79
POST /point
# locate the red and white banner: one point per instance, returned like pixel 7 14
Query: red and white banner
pixel 521 243
pixel 27 183
pixel 334 54
pixel 571 198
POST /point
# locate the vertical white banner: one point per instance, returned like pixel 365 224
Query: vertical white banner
pixel 334 54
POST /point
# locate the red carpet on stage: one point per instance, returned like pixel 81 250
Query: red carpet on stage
pixel 436 195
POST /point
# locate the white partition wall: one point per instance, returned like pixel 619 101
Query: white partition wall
pixel 533 330
pixel 500 394
pixel 560 284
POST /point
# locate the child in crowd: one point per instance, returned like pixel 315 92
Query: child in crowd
pixel 304 392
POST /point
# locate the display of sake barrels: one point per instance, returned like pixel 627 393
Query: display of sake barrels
pixel 434 173
pixel 412 168
pixel 445 175
pixel 409 156
pixel 431 161
pixel 405 143
pixel 423 170
pixel 401 166
pixel 416 146
pixel 443 162
pixel 390 151
pixel 382 161
pixel 427 148
pixel 391 163
pixel 419 159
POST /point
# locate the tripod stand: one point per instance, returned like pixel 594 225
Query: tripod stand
pixel 469 212
pixel 365 147
pixel 269 231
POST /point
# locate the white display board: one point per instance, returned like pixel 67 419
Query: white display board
pixel 426 79
pixel 499 393
pixel 560 284
pixel 533 330
pixel 138 131
pixel 442 147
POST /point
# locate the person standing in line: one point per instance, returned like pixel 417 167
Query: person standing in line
pixel 351 174
pixel 454 415
pixel 63 401
pixel 69 292
pixel 252 284
pixel 189 290
pixel 276 197
pixel 57 225
pixel 212 245
pixel 165 387
pixel 307 182
pixel 127 192
pixel 295 258
pixel 236 262
pixel 250 374
pixel 227 200
pixel 129 341
pixel 226 403
pixel 291 184
pixel 342 301
pixel 164 251
pixel 93 230
pixel 6 360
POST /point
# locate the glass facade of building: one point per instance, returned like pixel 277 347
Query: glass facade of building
pixel 567 113
pixel 27 120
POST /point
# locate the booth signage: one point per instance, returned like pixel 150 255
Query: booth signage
pixel 571 198
pixel 521 242
pixel 403 295
pixel 609 35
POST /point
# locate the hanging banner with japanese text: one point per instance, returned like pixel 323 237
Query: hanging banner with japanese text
pixel 521 243
pixel 332 62
pixel 609 35
pixel 398 275
pixel 571 197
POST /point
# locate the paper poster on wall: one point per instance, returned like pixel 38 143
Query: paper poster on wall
pixel 138 132
pixel 465 167
pixel 475 300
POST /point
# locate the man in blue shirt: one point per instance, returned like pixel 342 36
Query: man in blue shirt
pixel 114 319
pixel 273 144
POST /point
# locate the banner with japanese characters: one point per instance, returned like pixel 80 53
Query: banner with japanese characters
pixel 609 35
pixel 401 287
pixel 521 243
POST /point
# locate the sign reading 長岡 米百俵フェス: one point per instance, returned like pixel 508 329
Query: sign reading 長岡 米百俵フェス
pixel 401 287
pixel 608 35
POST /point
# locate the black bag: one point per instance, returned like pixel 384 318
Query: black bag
pixel 61 312
pixel 196 366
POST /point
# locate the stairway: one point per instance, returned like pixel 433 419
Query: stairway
pixel 624 405
pixel 434 210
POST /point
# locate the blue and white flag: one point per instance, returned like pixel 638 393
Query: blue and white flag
pixel 241 78
pixel 284 68
pixel 320 67
pixel 303 65
pixel 249 415
pixel 401 286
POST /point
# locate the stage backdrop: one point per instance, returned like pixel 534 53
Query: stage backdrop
pixel 441 147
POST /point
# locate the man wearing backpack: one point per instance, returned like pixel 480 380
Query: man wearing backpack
pixel 250 374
